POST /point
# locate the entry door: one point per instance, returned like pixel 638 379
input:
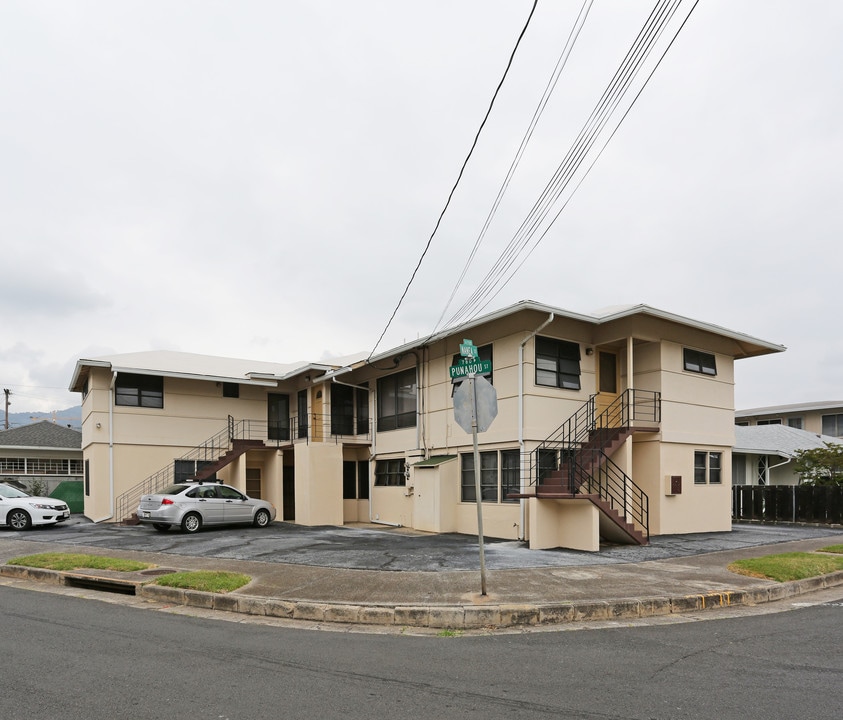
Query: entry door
pixel 289 493
pixel 318 432
pixel 607 384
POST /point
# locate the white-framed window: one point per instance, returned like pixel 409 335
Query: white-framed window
pixel 390 473
pixel 796 422
pixel 707 467
pixel 500 475
pixel 833 425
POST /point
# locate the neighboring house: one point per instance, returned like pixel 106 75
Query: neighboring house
pixel 42 452
pixel 825 418
pixel 617 425
pixel 763 454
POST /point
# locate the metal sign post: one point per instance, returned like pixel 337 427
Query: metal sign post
pixel 475 406
pixel 477 493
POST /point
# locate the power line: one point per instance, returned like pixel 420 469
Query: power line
pixel 573 35
pixel 459 177
pixel 618 87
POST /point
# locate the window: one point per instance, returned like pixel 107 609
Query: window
pixel 397 400
pixel 231 390
pixel 187 469
pixel 769 421
pixel 301 409
pixel 342 410
pixel 833 425
pixel 557 363
pixel 500 474
pixel 362 479
pixel 349 410
pixel 278 416
pixel 390 473
pixel 349 480
pixel 355 480
pixel 707 468
pixel 139 390
pixel 87 478
pixel 700 362
pixel 795 422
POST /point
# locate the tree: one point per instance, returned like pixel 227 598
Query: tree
pixel 820 466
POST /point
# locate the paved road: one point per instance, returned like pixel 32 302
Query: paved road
pixel 73 658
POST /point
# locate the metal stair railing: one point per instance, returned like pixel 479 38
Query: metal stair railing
pixel 631 405
pixel 597 474
pixel 589 468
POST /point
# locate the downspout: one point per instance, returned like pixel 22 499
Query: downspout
pixel 110 449
pixel 523 501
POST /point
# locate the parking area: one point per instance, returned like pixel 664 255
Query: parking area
pixel 370 547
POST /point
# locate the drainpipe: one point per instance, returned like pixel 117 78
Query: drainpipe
pixel 110 449
pixel 523 501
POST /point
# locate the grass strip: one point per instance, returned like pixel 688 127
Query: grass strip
pixel 75 561
pixel 787 566
pixel 204 580
pixel 832 549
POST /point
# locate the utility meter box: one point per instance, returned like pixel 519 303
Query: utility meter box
pixel 673 485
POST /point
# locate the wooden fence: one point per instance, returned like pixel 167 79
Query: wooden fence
pixel 788 503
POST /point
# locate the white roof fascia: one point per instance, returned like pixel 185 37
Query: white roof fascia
pixel 261 378
pixel 614 314
pixel 785 409
pixel 40 447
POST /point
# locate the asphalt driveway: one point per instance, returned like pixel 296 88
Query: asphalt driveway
pixel 371 547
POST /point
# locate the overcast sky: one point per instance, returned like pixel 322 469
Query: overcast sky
pixel 259 178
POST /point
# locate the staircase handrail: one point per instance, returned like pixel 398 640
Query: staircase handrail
pixel 631 405
pixel 207 451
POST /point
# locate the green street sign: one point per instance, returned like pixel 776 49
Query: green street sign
pixel 468 349
pixel 466 368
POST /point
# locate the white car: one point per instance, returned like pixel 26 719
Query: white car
pixel 21 511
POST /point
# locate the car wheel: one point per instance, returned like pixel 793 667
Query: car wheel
pixel 262 518
pixel 161 527
pixel 191 523
pixel 19 520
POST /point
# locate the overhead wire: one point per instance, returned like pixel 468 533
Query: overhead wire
pixel 561 62
pixel 591 165
pixel 457 182
pixel 617 88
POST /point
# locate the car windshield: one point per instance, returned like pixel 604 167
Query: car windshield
pixel 10 492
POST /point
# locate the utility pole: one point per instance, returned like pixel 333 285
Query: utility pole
pixel 7 392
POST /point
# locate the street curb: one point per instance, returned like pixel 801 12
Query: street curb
pixel 446 617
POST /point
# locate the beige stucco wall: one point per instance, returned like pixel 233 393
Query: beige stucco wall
pixel 319 484
pixel 571 524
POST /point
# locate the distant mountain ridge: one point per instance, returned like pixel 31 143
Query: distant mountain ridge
pixel 71 416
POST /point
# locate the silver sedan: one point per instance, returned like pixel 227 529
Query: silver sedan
pixel 190 505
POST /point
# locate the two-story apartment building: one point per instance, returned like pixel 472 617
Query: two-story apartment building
pixel 616 425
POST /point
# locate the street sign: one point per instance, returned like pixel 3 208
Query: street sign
pixel 466 368
pixel 468 349
pixel 481 403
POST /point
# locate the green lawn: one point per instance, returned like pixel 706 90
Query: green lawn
pixel 788 566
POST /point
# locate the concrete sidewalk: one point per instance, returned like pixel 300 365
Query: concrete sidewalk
pixel 567 588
